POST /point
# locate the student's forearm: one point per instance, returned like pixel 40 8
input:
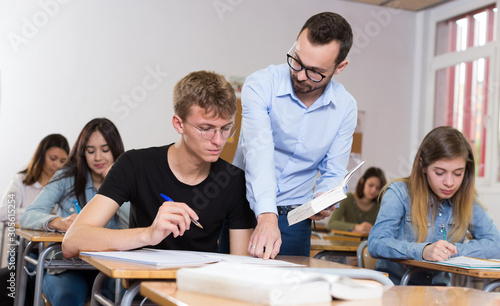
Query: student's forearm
pixel 94 239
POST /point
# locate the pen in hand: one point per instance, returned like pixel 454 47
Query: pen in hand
pixel 166 198
pixel 443 229
pixel 78 210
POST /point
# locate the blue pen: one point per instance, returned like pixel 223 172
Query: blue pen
pixel 166 198
pixel 443 229
pixel 78 210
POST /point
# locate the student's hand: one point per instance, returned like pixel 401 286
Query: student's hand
pixel 439 250
pixel 62 224
pixel 265 241
pixel 362 228
pixel 172 218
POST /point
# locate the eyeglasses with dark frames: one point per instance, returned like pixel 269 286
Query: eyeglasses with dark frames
pixel 208 133
pixel 296 65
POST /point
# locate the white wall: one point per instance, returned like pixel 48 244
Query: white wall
pixel 76 63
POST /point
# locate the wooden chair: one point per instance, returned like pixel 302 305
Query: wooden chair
pixel 364 258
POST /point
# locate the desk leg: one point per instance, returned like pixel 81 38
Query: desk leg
pixel 409 274
pixel 492 286
pixel 95 296
pixel 131 293
pixel 40 269
pixel 20 270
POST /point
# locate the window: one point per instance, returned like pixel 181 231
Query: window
pixel 463 93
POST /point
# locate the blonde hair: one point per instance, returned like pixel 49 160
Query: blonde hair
pixel 441 143
pixel 206 89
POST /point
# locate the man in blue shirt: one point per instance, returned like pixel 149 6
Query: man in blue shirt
pixel 297 122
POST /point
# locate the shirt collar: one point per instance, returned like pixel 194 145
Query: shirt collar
pixel 90 182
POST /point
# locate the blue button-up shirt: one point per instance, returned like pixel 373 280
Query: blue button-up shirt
pixel 39 213
pixel 283 144
pixel 394 237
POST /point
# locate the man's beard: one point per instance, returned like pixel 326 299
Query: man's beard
pixel 306 87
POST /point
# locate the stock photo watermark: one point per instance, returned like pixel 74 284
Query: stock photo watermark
pixel 11 245
pixel 381 19
pixel 31 26
pixel 139 93
pixel 222 7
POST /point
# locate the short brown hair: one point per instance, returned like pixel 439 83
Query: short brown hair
pixel 326 27
pixel 206 89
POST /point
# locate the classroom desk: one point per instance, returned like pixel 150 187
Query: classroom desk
pixel 166 293
pixel 123 270
pixel 417 265
pixel 334 247
pixel 47 242
pixel 349 234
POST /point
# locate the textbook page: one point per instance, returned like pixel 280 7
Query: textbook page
pixel 322 202
pixel 272 285
pixel 470 262
pixel 164 259
pixel 241 259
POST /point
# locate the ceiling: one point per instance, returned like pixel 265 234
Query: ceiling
pixel 411 5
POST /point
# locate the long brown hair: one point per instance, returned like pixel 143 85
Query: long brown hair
pixel 77 167
pixel 443 142
pixel 35 167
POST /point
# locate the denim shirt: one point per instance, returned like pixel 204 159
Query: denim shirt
pixel 39 213
pixel 393 236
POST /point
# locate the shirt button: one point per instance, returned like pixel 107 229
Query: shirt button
pixel 71 209
pixel 300 140
pixel 440 214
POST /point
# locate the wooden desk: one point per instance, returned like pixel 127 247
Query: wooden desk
pixel 47 242
pixel 123 270
pixel 417 265
pixel 166 293
pixel 334 247
pixel 349 234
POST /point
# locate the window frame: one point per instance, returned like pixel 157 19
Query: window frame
pixel 491 50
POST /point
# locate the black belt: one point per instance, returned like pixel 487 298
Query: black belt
pixel 284 210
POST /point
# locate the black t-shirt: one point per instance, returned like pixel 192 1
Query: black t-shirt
pixel 139 176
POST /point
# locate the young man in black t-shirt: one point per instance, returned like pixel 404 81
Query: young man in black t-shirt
pixel 202 186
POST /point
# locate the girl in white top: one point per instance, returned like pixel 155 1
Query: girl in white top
pixel 49 156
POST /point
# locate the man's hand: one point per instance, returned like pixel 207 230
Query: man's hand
pixel 172 218
pixel 62 224
pixel 324 213
pixel 438 251
pixel 363 228
pixel 265 241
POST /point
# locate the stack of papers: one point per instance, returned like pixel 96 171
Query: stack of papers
pixel 177 259
pixel 470 262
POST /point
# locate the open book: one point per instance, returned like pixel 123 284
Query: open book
pixel 271 285
pixel 470 262
pixel 322 202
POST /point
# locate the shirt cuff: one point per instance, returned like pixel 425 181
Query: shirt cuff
pixel 265 206
pixel 417 250
pixel 46 225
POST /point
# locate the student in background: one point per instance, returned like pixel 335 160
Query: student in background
pixel 426 215
pixel 203 187
pixel 97 147
pixel 297 122
pixel 358 212
pixel 49 156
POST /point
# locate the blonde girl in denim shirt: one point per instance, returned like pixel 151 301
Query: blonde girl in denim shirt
pixel 97 147
pixel 426 216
